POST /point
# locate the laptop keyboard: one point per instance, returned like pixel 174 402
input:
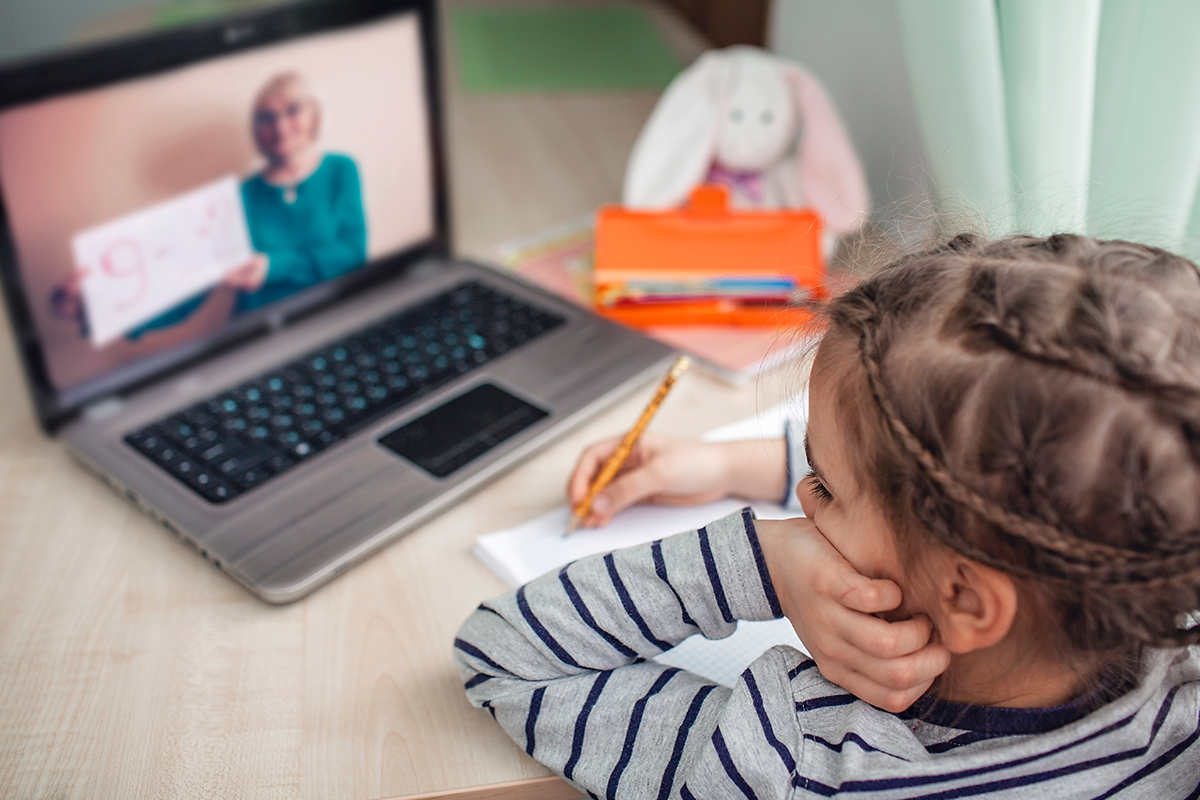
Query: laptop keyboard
pixel 243 437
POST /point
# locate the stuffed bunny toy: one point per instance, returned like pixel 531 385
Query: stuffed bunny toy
pixel 758 123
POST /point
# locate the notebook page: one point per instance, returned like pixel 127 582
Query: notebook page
pixel 520 554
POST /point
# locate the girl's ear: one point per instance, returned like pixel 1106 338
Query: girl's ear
pixel 831 175
pixel 674 151
pixel 977 605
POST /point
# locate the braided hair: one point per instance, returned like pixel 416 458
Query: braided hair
pixel 1034 404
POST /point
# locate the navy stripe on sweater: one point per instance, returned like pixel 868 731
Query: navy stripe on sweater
pixel 803 666
pixel 850 738
pixel 1156 764
pixel 538 628
pixel 582 610
pixel 635 723
pixel 1031 779
pixel 768 731
pixel 630 608
pixel 710 564
pixel 535 708
pixel 926 780
pixel 660 569
pixel 582 720
pixel 475 652
pixel 730 768
pixel 760 562
pixel 829 701
pixel 681 736
pixel 970 737
pixel 478 679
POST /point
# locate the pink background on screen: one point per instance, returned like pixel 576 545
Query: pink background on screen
pixel 71 163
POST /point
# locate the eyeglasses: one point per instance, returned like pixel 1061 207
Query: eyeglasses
pixel 268 117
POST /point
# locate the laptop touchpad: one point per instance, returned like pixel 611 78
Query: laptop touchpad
pixel 462 429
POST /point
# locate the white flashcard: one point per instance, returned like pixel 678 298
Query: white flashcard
pixel 138 266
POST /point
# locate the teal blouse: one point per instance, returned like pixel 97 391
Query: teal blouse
pixel 319 235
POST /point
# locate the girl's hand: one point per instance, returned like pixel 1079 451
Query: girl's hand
pixel 832 608
pixel 248 277
pixel 670 471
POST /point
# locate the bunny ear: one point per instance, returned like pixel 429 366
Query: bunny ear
pixel 674 151
pixel 830 172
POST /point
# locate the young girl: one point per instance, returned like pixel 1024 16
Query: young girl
pixel 1004 442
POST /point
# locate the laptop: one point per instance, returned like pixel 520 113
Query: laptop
pixel 224 252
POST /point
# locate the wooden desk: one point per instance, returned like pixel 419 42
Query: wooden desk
pixel 129 667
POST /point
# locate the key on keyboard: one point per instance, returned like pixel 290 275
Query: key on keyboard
pixel 233 442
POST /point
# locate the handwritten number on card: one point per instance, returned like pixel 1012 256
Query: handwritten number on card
pixel 138 266
pixel 124 261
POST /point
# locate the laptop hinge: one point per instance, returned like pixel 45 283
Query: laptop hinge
pixel 105 407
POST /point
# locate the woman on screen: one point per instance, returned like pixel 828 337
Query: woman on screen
pixel 304 213
pixel 304 208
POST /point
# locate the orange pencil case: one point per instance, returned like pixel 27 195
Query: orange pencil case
pixel 706 264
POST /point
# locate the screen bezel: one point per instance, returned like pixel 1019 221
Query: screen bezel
pixel 112 62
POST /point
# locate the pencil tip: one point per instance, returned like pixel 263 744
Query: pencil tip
pixel 571 525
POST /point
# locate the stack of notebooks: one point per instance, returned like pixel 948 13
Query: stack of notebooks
pixel 560 260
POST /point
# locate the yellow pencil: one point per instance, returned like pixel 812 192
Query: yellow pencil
pixel 619 456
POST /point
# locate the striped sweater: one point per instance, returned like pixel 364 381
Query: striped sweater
pixel 563 665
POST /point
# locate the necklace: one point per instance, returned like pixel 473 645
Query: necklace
pixel 289 194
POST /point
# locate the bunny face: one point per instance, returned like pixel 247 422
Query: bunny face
pixel 749 112
pixel 757 126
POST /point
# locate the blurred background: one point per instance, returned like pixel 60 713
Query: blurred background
pixel 1001 115
pixel 852 45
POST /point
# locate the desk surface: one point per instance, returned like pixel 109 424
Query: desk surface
pixel 129 667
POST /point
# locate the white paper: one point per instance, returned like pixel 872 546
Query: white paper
pixel 520 554
pixel 138 266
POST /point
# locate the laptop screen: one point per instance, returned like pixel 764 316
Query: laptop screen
pixel 155 216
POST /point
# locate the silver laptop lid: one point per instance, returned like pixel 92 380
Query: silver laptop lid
pixel 163 198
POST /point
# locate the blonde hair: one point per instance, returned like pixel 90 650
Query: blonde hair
pixel 277 83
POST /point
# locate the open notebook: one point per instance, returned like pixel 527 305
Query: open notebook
pixel 520 554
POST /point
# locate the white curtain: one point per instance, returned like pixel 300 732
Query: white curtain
pixel 1062 115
